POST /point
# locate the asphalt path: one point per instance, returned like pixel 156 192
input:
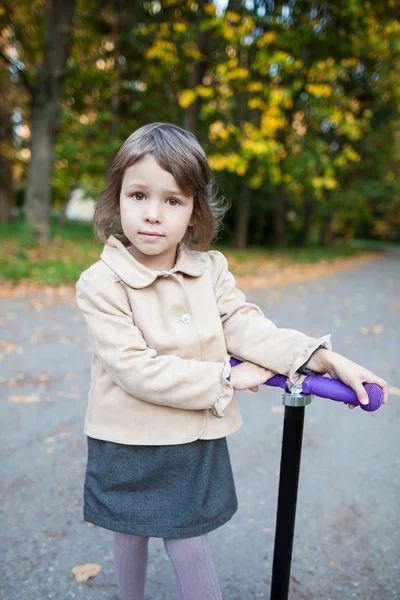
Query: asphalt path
pixel 347 538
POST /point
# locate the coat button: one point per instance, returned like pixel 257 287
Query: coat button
pixel 186 319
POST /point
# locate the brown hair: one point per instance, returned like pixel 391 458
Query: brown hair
pixel 178 152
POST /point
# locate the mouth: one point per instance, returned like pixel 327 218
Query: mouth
pixel 151 235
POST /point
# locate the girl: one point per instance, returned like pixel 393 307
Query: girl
pixel 164 315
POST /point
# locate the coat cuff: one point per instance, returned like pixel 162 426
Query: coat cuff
pixel 295 378
pixel 226 392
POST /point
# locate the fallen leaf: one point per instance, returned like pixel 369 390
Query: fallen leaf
pixel 24 399
pixel 43 377
pixel 377 329
pixel 86 571
pixel 394 391
pixel 364 330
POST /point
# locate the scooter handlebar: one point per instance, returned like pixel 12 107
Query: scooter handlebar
pixel 329 388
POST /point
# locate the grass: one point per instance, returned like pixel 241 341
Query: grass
pixel 74 249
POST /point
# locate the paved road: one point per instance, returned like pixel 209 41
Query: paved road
pixel 347 542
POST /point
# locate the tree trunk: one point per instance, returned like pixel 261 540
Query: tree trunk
pixel 38 192
pixel 191 115
pixel 45 115
pixel 6 151
pixel 205 43
pixel 242 218
pixel 328 230
pixel 307 220
pixel 279 218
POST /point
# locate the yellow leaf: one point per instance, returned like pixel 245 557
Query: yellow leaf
pixel 86 571
pixel 319 90
pixel 186 98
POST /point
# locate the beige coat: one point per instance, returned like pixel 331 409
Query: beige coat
pixel 161 346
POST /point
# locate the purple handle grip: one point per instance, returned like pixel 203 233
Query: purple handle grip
pixel 330 388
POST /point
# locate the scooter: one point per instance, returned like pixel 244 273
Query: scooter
pixel 295 399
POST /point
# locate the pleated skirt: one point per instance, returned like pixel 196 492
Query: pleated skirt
pixel 176 491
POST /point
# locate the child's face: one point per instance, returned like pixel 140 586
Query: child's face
pixel 151 201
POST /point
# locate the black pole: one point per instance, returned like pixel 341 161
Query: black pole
pixel 287 500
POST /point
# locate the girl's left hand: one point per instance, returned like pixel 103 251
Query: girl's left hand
pixel 351 373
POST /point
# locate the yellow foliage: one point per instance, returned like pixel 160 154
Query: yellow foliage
pixel 319 90
pixel 255 86
pixel 257 103
pixel 219 131
pixel 281 97
pixel 165 51
pixel 190 49
pixel 340 161
pixel 210 9
pixel 222 68
pixel 256 147
pixel 329 183
pixel 246 26
pixel 238 74
pixel 232 162
pixel 233 63
pixel 205 92
pixel 232 16
pixel 266 38
pixel 180 26
pixel 186 97
pixel 350 62
pixel 351 154
pixel 272 121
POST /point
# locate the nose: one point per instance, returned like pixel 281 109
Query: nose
pixel 153 212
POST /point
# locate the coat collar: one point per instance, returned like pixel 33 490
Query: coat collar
pixel 118 258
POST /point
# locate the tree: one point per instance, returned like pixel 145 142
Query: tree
pixel 44 84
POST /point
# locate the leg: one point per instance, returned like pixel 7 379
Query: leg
pixel 130 560
pixel 195 575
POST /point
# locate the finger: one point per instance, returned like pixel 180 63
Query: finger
pixel 254 388
pixel 382 384
pixel 351 406
pixel 362 395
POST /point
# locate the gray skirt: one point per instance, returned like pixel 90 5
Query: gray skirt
pixel 177 491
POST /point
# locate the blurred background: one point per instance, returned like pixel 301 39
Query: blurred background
pixel 296 104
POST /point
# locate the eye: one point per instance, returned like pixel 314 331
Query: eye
pixel 136 196
pixel 174 200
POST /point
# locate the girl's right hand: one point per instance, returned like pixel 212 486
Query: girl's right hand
pixel 248 376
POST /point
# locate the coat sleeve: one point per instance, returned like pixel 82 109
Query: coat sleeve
pixel 251 336
pixel 121 349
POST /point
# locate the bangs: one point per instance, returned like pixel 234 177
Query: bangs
pixel 177 153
